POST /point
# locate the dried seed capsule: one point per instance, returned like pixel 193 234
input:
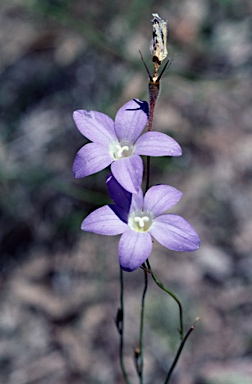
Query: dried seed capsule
pixel 159 38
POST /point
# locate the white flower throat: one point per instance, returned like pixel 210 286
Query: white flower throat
pixel 140 221
pixel 121 149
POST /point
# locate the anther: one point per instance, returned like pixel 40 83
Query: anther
pixel 141 220
pixel 120 150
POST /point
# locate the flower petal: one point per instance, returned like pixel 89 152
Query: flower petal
pixel 128 172
pixel 175 233
pixel 96 126
pixel 157 144
pixel 160 198
pixel 91 158
pixel 118 194
pixel 131 119
pixel 104 222
pixel 134 248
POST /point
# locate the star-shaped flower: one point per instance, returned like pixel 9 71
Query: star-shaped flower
pixel 139 218
pixel 119 143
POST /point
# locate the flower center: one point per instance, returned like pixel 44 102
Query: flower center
pixel 140 221
pixel 121 150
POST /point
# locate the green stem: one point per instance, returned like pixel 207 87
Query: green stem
pixel 161 285
pixel 121 330
pixel 182 344
pixel 139 355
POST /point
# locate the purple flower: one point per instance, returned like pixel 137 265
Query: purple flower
pixel 118 143
pixel 139 218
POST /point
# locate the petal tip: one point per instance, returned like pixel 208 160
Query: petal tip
pixel 76 113
pixel 126 269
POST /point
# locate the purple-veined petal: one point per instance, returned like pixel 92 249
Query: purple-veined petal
pixel 134 248
pixel 131 119
pixel 103 221
pixel 157 144
pixel 96 126
pixel 106 121
pixel 175 233
pixel 128 172
pixel 160 198
pixel 91 158
pixel 118 194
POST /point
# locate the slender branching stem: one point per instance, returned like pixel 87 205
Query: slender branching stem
pixel 121 330
pixel 154 89
pixel 182 344
pixel 139 357
pixel 161 285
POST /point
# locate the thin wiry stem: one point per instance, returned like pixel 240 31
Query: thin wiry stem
pixel 121 329
pixel 182 344
pixel 139 351
pixel 152 107
pixel 161 285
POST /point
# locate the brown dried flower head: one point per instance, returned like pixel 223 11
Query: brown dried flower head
pixel 159 38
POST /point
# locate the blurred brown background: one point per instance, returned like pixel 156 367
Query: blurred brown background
pixel 59 286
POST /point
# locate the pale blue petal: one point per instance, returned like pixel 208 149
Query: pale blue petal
pixel 134 248
pixel 160 198
pixel 157 144
pixel 103 221
pixel 175 233
pixel 131 120
pixel 91 158
pixel 96 126
pixel 128 171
